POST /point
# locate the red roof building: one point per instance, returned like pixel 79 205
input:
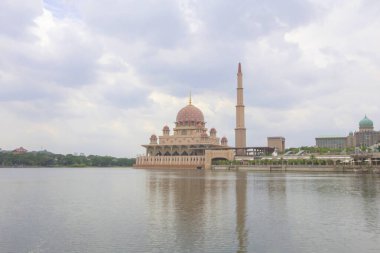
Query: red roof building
pixel 19 150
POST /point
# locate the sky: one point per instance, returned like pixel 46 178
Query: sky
pixel 100 77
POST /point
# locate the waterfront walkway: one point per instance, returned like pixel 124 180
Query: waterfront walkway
pixel 300 168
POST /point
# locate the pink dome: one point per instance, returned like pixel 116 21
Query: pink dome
pixel 224 139
pixel 166 128
pixel 213 130
pixel 190 113
pixel 153 137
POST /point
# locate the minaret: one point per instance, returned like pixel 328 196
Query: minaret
pixel 240 131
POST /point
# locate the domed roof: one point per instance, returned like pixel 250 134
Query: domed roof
pixel 224 139
pixel 190 113
pixel 213 130
pixel 153 137
pixel 366 123
pixel 166 128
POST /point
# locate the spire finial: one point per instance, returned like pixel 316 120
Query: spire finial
pixel 190 98
pixel 239 68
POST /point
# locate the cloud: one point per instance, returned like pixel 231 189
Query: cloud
pixel 156 23
pixel 101 77
pixel 17 16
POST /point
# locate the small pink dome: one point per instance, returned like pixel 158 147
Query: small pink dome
pixel 190 113
pixel 166 128
pixel 224 139
pixel 213 130
pixel 153 137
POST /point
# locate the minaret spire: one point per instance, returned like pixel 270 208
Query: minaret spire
pixel 240 130
pixel 190 98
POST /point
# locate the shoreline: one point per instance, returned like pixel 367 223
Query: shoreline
pixel 319 169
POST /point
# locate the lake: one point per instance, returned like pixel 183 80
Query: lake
pixel 129 210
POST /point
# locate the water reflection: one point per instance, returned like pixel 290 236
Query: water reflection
pixel 369 198
pixel 176 207
pixel 196 210
pixel 245 212
pixel 241 211
pixel 125 210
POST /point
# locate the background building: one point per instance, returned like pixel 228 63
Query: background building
pixel 365 137
pixel 331 142
pixel 20 150
pixel 277 142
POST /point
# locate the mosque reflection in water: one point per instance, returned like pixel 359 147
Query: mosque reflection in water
pixel 241 212
pixel 194 212
pixel 197 209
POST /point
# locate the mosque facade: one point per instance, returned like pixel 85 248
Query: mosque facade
pixel 186 146
pixel 190 144
pixel 366 136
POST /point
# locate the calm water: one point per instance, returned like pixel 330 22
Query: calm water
pixel 127 210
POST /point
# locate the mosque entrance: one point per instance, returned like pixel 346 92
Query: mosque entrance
pixel 219 161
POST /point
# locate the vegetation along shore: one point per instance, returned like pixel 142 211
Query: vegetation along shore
pixel 48 159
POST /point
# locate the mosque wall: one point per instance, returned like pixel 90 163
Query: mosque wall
pixel 170 161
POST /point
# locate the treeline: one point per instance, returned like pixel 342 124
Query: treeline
pixel 48 159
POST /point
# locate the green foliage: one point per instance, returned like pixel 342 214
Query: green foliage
pixel 47 159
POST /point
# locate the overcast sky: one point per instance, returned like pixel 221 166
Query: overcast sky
pixel 99 77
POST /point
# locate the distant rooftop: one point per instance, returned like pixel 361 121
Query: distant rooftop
pixel 330 136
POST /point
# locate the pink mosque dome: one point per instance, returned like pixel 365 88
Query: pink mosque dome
pixel 153 137
pixel 166 128
pixel 213 130
pixel 190 113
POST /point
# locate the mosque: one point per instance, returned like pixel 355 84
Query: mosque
pixel 192 145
